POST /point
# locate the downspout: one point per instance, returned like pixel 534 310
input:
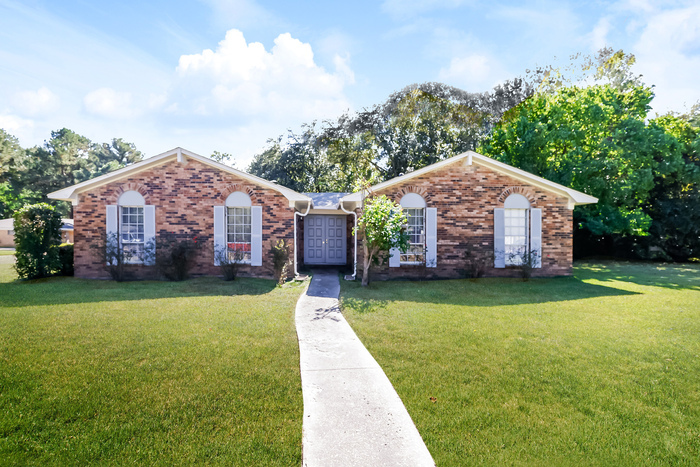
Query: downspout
pixel 296 247
pixel 354 269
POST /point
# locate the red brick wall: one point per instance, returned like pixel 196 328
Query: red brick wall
pixel 465 198
pixel 184 196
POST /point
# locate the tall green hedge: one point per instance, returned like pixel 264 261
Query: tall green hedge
pixel 37 237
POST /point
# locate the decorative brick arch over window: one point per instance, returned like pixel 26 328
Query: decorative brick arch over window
pixel 517 229
pixel 238 226
pixel 234 187
pixel 131 186
pixel 130 224
pixel 412 189
pixel 516 190
pixel 422 230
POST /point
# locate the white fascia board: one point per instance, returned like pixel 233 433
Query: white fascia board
pixel 70 193
pixel 574 196
pixel 577 197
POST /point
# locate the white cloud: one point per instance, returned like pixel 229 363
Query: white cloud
pixel 475 72
pixel 668 56
pixel 239 78
pixel 14 124
pixel 35 103
pixel 599 35
pixel 106 102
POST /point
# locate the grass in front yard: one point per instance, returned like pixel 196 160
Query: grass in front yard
pixel 194 372
pixel 598 369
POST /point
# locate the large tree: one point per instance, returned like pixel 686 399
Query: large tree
pixel 12 164
pixel 415 127
pixel 67 158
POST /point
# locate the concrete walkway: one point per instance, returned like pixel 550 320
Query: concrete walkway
pixel 352 414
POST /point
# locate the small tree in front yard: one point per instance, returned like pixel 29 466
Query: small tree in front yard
pixel 381 227
pixel 37 236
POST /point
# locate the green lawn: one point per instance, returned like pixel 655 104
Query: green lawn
pixel 602 368
pixel 196 372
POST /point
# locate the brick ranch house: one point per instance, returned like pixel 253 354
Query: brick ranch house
pixel 468 202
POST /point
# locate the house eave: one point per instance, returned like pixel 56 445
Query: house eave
pixel 180 154
pixel 576 198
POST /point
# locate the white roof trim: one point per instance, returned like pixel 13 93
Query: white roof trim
pixel 71 193
pixel 574 196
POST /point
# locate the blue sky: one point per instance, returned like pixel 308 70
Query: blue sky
pixel 227 75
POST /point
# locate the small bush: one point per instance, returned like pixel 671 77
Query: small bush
pixel 525 262
pixel 37 236
pixel 280 260
pixel 116 261
pixel 477 262
pixel 230 262
pixel 175 256
pixel 65 254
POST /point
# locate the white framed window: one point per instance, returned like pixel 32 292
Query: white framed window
pixel 413 206
pixel 517 231
pixel 132 233
pixel 239 231
pixel 516 235
pixel 415 228
pixel 239 226
pixel 132 223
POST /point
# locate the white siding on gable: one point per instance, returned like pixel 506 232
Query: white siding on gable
pixel 536 236
pixel 256 236
pixel 431 237
pixel 149 230
pixel 219 234
pixel 499 239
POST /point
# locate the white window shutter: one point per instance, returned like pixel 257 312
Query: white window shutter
pixel 256 236
pixel 536 236
pixel 149 233
pixel 219 233
pixel 499 237
pixel 431 237
pixel 112 220
pixel 395 258
pixel 112 228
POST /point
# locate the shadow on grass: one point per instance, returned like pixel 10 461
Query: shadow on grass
pixel 473 292
pixel 362 306
pixel 69 290
pixel 668 275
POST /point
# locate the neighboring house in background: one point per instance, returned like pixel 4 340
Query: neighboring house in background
pixel 7 232
pixel 67 231
pixel 468 202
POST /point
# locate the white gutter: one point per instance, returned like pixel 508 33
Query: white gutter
pixel 308 208
pixel 354 268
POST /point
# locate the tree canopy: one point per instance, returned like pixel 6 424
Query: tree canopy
pixel 67 158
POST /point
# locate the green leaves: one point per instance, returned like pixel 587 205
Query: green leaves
pixel 37 237
pixel 381 226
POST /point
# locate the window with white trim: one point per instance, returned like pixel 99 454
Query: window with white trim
pixel 132 226
pixel 516 221
pixel 515 235
pixel 238 227
pixel 238 232
pixel 414 208
pixel 415 228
